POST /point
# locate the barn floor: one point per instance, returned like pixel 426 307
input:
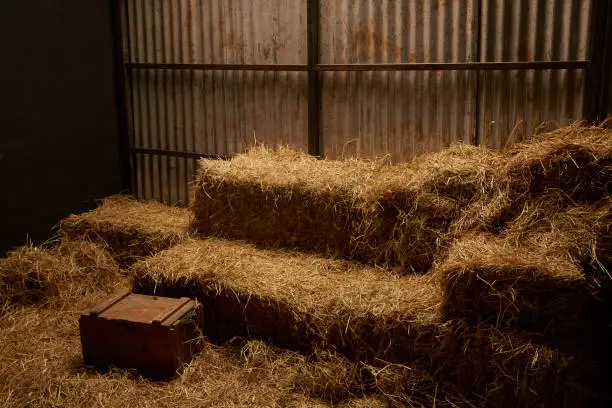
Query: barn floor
pixel 40 356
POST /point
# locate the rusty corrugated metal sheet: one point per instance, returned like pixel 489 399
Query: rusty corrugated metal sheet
pixel 514 104
pixel 213 112
pixel 409 113
pixel 402 114
pixel 398 113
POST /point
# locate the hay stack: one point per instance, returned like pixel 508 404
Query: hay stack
pixel 575 161
pixel 305 303
pixel 486 279
pixel 544 273
pixel 30 274
pixel 128 228
pixel 558 226
pixel 296 299
pixel 370 211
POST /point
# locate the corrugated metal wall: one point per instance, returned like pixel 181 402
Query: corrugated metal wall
pixel 515 103
pixel 362 113
pixel 398 113
pixel 409 113
pixel 212 112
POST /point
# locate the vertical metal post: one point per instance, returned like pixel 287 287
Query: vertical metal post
pixel 121 91
pixel 478 58
pixel 314 97
pixel 596 79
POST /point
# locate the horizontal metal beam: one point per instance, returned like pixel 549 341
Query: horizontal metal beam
pixel 455 66
pixel 217 67
pixel 175 153
pixel 425 66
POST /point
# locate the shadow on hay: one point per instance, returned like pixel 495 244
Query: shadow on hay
pixel 480 363
pixel 227 316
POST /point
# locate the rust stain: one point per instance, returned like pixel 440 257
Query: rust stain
pixel 368 36
pixel 438 4
pixel 371 30
pixel 398 52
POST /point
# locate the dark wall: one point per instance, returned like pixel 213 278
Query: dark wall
pixel 606 52
pixel 59 143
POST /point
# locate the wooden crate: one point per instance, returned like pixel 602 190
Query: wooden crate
pixel 155 335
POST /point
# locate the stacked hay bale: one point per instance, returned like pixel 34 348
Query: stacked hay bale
pixel 306 303
pixel 519 242
pixel 541 268
pixel 129 229
pixel 575 160
pixel 64 271
pixel 504 227
pixel 369 211
pixel 537 261
pixel 298 300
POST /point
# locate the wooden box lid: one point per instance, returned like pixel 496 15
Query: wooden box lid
pixel 131 307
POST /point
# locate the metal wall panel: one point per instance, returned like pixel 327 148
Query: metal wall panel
pixel 402 114
pixel 212 112
pixel 514 104
pixel 367 113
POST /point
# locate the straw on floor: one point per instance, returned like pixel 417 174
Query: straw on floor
pixel 40 356
pixel 41 367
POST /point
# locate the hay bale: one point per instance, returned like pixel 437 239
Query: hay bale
pixel 370 211
pixel 128 228
pixel 543 273
pixel 296 299
pixel 30 274
pixel 27 275
pixel 576 159
pixel 560 227
pixel 485 279
pixel 306 303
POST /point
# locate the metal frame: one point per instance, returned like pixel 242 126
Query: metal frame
pixel 414 66
pixel 595 66
pixel 176 153
pixel 478 57
pixel 314 93
pixel 121 96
